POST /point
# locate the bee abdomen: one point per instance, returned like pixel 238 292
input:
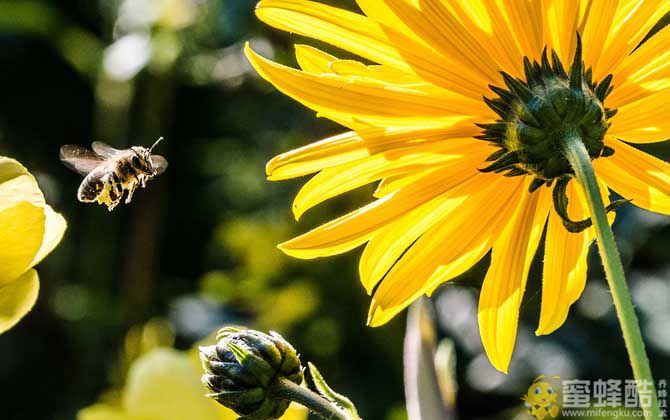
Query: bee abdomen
pixel 91 187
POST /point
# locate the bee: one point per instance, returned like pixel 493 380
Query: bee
pixel 110 172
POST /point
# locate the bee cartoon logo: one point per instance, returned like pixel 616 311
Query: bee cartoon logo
pixel 541 399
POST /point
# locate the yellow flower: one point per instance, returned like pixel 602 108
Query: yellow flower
pixel 412 115
pixel 164 384
pixel 29 230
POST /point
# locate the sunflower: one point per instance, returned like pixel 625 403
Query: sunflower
pixel 454 108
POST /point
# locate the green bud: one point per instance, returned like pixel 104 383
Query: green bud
pixel 242 367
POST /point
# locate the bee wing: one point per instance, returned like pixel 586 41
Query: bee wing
pixel 160 164
pixel 79 159
pixel 105 150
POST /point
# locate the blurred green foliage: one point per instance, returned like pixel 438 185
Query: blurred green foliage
pixel 197 250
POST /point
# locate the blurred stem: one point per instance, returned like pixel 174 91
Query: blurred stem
pixel 155 97
pixel 423 395
pixel 577 155
pixel 284 389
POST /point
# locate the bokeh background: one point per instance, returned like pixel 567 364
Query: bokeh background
pixel 197 250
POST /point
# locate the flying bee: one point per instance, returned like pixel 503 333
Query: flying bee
pixel 111 172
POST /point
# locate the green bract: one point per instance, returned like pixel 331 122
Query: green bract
pixel 536 114
pixel 242 366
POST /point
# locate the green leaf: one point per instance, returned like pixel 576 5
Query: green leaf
pixel 328 393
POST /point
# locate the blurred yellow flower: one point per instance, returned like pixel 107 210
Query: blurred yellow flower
pixel 30 231
pixel 164 384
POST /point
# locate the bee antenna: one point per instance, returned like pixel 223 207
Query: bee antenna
pixel 156 143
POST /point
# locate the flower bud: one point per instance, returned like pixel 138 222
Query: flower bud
pixel 241 368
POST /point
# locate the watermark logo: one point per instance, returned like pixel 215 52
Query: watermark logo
pixel 579 398
pixel 542 399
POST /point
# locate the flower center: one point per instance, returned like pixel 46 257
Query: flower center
pixel 536 113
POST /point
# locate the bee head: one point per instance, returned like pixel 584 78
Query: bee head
pixel 142 160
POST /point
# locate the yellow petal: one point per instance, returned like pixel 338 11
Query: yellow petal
pixel 17 299
pixel 340 179
pixel 505 282
pixel 636 175
pixel 381 74
pixel 596 29
pixel 511 56
pixel 165 384
pixel 17 185
pixel 295 412
pixel 365 37
pixel 642 73
pixel 313 60
pixel 562 20
pixel 104 412
pixel 355 228
pixel 368 101
pixel 350 31
pixel 380 12
pixel 332 151
pixel 445 32
pixel 388 185
pixel 389 244
pixel 347 147
pixel 22 228
pixel 632 21
pixel 564 271
pixel 455 233
pixel 564 275
pixel 54 229
pixel 527 20
pixel 643 121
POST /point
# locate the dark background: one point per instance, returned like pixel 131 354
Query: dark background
pixel 197 248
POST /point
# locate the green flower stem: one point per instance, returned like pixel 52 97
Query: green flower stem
pixel 285 389
pixel 575 152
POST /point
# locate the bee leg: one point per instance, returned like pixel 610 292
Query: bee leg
pixel 131 190
pixel 111 205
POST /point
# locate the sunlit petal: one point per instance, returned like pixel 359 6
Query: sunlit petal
pixel 645 120
pixel 505 282
pixel 22 228
pixel 17 299
pixel 346 177
pixel 355 228
pixel 457 232
pixel 638 176
pixel 564 270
